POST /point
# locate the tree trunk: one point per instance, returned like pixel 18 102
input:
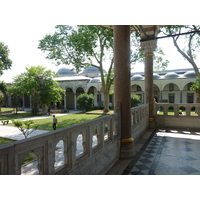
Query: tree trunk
pixel 106 102
pixel 44 109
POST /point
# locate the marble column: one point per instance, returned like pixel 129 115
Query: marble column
pixel 122 86
pixel 65 103
pixel 75 101
pixel 149 47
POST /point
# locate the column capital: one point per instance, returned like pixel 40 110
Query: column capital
pixel 149 47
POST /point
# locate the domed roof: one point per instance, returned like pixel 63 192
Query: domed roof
pixel 156 76
pixel 190 74
pixel 137 77
pixel 64 71
pixel 91 69
pixel 171 75
pixel 96 80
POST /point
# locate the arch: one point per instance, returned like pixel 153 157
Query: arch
pixel 95 141
pixel 69 98
pixel 187 86
pixel 134 87
pixel 80 149
pixel 70 89
pixel 59 155
pixel 156 92
pixel 30 164
pixel 166 86
pixel 92 90
pixel 79 90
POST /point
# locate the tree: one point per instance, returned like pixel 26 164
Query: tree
pixel 191 45
pixel 26 127
pixel 1 100
pixel 5 62
pixel 38 83
pixel 189 48
pixel 135 99
pixel 3 87
pixel 196 87
pixel 85 101
pixel 137 54
pixel 82 46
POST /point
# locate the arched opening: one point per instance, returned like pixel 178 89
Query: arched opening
pixel 69 98
pixel 30 164
pixel 79 145
pixel 59 155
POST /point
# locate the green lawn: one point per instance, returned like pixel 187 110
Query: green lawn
pixel 16 116
pixel 5 140
pixel 64 121
pixel 5 109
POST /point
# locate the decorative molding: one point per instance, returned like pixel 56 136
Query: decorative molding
pixel 149 46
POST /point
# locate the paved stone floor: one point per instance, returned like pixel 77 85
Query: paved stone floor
pixel 167 152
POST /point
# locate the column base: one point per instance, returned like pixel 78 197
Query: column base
pixel 152 123
pixel 127 148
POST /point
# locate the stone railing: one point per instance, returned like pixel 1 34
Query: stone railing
pixel 88 148
pixel 181 115
pixel 140 120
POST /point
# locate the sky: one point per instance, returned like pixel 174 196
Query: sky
pixel 26 22
pixel 22 42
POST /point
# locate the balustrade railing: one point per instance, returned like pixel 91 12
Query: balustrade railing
pixel 177 110
pixel 79 143
pixel 177 115
pixel 139 120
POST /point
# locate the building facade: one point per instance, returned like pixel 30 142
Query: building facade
pixel 170 86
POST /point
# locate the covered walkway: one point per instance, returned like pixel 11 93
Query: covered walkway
pixel 163 152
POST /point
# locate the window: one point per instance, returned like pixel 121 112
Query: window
pixel 139 88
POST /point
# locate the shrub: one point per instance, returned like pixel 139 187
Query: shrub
pixel 85 101
pixel 135 99
pixel 26 127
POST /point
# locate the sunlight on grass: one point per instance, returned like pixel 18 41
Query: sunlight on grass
pixel 63 121
pixel 5 140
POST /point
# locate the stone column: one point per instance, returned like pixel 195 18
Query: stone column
pixel 149 47
pixel 65 103
pixel 74 101
pixel 122 86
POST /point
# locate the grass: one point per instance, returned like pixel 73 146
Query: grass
pixel 64 121
pixel 5 109
pixel 100 112
pixel 5 140
pixel 18 116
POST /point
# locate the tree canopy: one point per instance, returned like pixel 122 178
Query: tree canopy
pixel 186 39
pixel 82 46
pixel 38 83
pixel 5 62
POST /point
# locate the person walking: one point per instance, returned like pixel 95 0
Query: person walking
pixel 55 121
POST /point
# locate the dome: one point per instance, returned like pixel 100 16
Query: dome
pixel 137 77
pixel 64 71
pixel 190 74
pixel 96 80
pixel 91 69
pixel 171 75
pixel 156 76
